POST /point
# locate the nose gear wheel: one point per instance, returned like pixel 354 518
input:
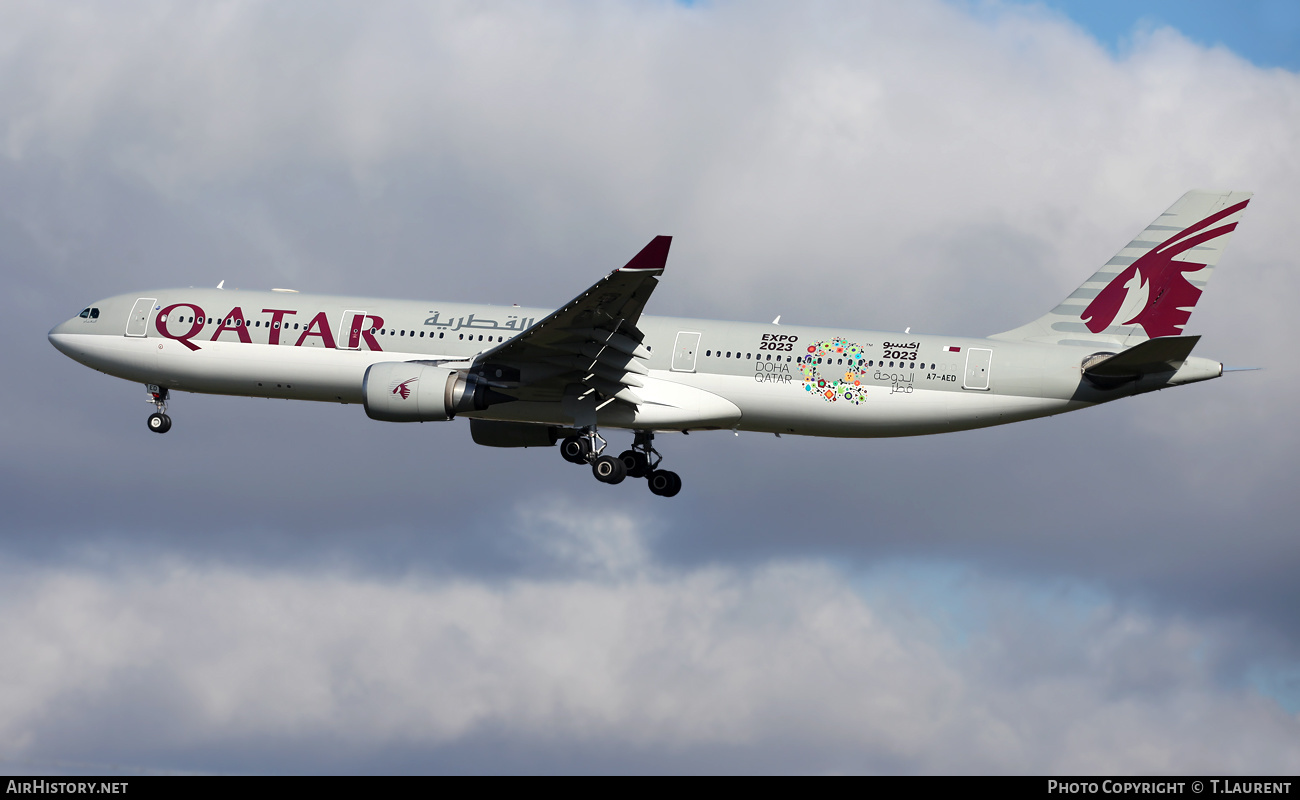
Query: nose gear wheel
pixel 158 421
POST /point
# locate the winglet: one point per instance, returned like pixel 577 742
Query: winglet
pixel 652 257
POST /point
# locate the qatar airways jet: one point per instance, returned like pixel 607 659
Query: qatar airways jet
pixel 529 377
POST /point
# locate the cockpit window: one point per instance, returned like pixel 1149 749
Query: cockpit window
pixel 85 313
pixel 94 313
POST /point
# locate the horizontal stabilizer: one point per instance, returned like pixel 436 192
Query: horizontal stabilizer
pixel 1165 354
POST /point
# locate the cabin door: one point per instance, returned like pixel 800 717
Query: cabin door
pixel 350 330
pixel 684 351
pixel 138 323
pixel 978 362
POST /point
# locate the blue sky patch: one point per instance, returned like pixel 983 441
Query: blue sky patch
pixel 1266 32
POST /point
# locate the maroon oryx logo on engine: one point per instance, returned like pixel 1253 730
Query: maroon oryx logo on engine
pixel 404 388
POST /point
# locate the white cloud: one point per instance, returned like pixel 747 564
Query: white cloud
pixel 898 159
pixel 785 660
pixel 577 538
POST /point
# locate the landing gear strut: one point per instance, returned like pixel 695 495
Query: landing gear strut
pixel 641 461
pixel 159 422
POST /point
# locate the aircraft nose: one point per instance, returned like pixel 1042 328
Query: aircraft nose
pixel 59 335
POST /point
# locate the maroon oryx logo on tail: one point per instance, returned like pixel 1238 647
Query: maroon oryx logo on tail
pixel 404 388
pixel 1154 291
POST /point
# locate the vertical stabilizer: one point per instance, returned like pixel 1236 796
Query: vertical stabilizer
pixel 1150 287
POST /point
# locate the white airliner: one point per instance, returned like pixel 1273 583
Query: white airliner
pixel 529 377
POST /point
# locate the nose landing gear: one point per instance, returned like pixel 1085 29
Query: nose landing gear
pixel 159 422
pixel 641 461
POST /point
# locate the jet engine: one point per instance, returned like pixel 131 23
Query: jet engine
pixel 408 391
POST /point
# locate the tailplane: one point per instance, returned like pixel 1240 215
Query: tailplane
pixel 1149 288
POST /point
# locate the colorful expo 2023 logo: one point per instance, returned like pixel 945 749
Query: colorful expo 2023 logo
pixel 833 369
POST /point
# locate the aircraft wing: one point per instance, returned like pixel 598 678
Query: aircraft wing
pixel 590 345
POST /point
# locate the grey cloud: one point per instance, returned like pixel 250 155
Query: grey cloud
pixel 701 668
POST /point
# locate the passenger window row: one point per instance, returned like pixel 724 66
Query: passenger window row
pixel 810 359
pixel 749 356
pixel 229 323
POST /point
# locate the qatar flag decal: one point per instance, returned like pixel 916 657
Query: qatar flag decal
pixel 951 349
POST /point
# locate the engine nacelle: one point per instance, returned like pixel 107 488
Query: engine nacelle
pixel 407 391
pixel 495 433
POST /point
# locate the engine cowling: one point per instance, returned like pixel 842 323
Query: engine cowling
pixel 407 391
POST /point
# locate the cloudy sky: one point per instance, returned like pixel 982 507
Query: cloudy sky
pixel 284 587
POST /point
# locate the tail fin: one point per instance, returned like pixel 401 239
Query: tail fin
pixel 1149 288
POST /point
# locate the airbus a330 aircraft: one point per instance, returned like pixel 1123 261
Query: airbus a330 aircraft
pixel 529 377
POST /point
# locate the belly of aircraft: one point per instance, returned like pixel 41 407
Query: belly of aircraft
pixel 798 408
pixel 741 404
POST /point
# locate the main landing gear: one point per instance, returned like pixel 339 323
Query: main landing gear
pixel 159 422
pixel 642 461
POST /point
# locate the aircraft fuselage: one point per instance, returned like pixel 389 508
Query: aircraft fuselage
pixel 787 379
